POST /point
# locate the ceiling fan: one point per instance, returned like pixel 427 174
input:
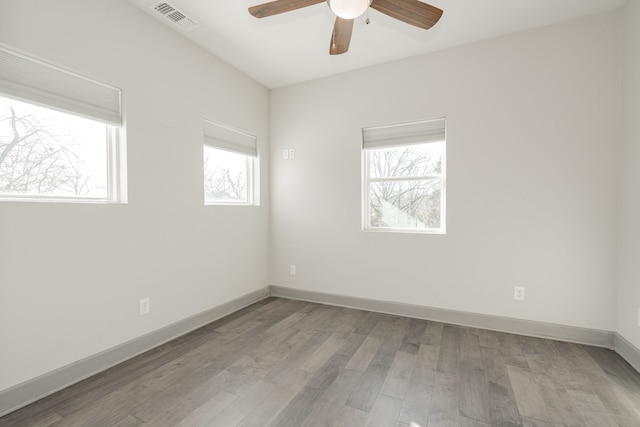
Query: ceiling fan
pixel 413 12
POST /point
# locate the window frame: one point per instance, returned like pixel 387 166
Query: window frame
pixel 218 136
pixel 115 179
pixel 250 162
pixel 38 82
pixel 368 180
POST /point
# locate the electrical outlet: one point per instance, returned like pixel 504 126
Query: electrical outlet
pixel 639 317
pixel 285 154
pixel 292 270
pixel 518 293
pixel 292 153
pixel 145 306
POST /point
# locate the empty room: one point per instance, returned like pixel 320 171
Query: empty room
pixel 319 213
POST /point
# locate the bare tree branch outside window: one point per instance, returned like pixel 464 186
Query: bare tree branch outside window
pixel 225 176
pixel 405 186
pixel 44 152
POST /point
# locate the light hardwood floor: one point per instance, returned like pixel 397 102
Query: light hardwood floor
pixel 281 362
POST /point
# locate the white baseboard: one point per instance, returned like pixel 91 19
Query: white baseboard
pixel 573 334
pixel 25 393
pixel 628 351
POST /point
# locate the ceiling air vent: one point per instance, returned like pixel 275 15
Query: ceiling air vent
pixel 174 15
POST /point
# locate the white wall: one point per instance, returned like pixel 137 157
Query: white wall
pixel 71 275
pixel 533 123
pixel 533 135
pixel 629 229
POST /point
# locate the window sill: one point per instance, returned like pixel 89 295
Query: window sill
pixel 404 230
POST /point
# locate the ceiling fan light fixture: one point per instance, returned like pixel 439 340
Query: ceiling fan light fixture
pixel 348 9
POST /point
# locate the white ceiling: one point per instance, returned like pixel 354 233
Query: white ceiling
pixel 294 47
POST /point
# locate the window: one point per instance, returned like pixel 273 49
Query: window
pixel 58 133
pixel 229 163
pixel 404 177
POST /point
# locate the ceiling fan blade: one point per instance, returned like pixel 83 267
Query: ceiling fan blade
pixel 413 12
pixel 280 6
pixel 341 36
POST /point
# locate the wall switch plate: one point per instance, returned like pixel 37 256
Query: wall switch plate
pixel 145 306
pixel 518 293
pixel 292 153
pixel 639 317
pixel 292 270
pixel 285 154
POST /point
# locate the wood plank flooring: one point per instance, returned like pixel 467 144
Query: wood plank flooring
pixel 281 362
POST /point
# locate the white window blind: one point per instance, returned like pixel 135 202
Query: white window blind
pixel 32 80
pixel 218 136
pixel 403 134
